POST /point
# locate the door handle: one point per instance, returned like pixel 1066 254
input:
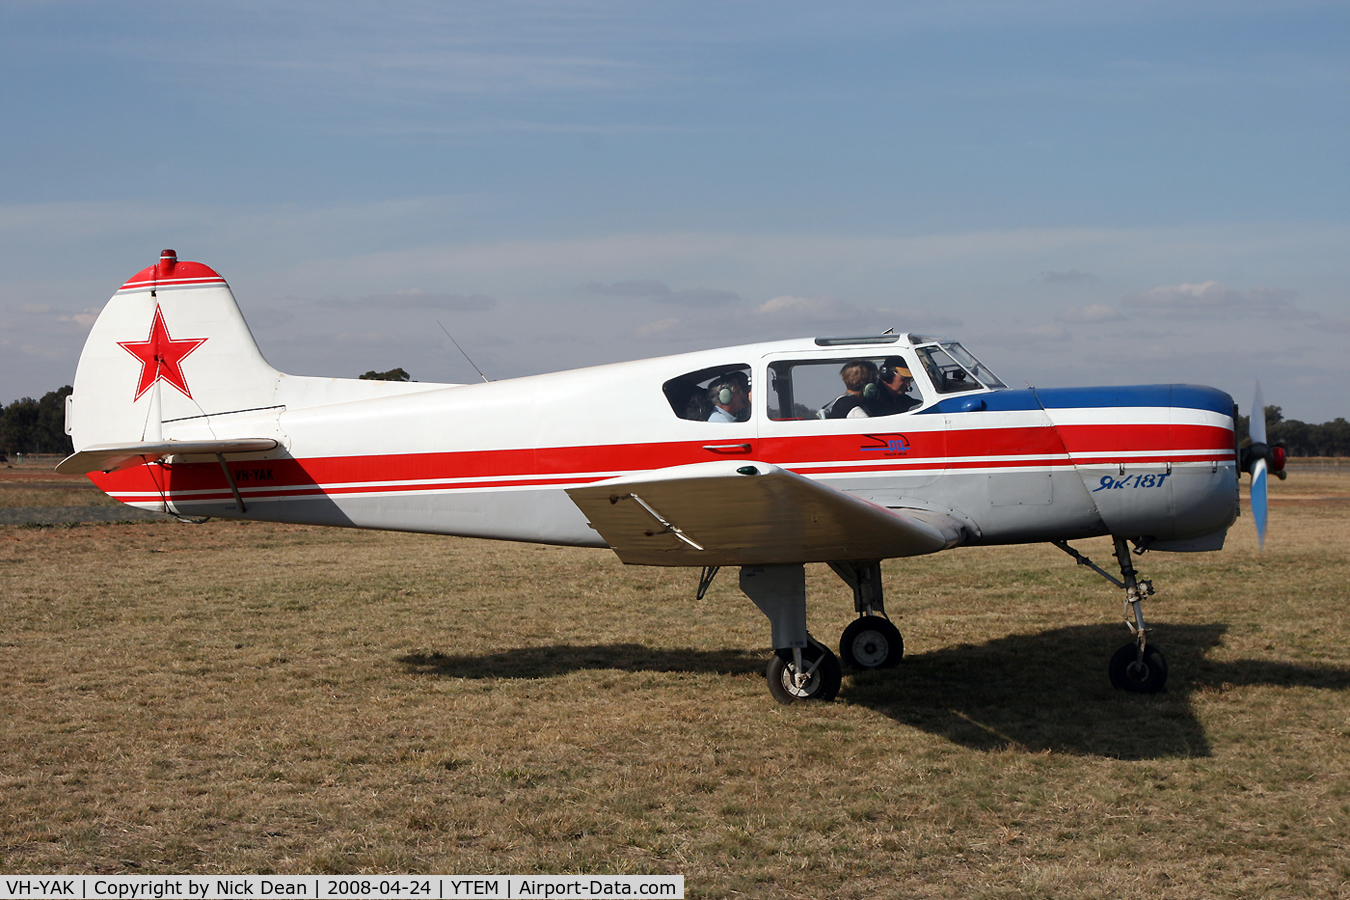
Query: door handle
pixel 727 448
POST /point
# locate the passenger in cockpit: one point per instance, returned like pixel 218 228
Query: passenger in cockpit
pixel 858 375
pixel 730 397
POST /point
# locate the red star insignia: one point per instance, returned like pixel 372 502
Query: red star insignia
pixel 161 356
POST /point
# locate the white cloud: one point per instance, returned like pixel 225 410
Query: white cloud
pixel 47 353
pixel 660 292
pixel 1096 312
pixel 808 309
pixel 1212 298
pixel 1072 277
pixel 1044 333
pixel 413 299
pixel 84 319
pixel 652 329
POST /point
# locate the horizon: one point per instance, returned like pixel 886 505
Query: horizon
pixel 1080 195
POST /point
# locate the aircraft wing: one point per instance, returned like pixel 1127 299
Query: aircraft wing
pixel 111 457
pixel 751 513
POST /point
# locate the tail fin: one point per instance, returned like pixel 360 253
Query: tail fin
pixel 168 357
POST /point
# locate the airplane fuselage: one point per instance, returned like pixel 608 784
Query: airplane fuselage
pixel 494 460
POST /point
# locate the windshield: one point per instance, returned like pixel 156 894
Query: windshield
pixel 973 365
pixel 954 370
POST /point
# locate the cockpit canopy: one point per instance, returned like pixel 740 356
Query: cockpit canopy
pixel 824 384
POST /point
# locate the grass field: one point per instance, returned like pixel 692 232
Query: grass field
pixel 247 697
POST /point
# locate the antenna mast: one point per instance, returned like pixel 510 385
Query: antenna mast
pixel 461 350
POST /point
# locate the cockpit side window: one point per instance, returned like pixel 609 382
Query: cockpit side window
pixel 839 388
pixel 714 394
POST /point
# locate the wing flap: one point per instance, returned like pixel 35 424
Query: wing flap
pixel 111 457
pixel 749 513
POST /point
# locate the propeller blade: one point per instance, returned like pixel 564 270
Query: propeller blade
pixel 1259 501
pixel 1257 421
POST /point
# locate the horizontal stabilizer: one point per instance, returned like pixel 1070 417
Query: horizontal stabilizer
pixel 751 513
pixel 111 457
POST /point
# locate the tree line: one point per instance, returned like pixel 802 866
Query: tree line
pixel 1300 438
pixel 39 426
pixel 36 426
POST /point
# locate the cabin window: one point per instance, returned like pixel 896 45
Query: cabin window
pixel 866 387
pixel 952 369
pixel 719 394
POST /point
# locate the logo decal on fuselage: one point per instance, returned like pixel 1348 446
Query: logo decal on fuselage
pixel 161 356
pixel 889 444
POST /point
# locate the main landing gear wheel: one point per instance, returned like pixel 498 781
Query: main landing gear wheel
pixel 1129 673
pixel 871 642
pixel 818 677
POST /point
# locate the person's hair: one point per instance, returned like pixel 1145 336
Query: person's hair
pixel 858 373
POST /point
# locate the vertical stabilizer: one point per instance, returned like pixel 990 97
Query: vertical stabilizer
pixel 170 347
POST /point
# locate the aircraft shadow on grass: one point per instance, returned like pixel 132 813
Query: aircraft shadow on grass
pixel 1045 691
pixel 559 659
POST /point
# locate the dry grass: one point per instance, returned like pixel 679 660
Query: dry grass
pixel 1311 478
pixel 14 496
pixel 260 698
pixel 39 486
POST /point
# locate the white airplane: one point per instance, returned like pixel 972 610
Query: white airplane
pixel 754 456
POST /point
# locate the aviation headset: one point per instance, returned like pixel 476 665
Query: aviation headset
pixel 893 364
pixel 724 388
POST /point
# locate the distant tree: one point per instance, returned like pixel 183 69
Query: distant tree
pixel 391 375
pixel 20 421
pixel 36 426
pixel 51 422
pixel 1300 438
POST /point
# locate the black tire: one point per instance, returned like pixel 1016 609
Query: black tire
pixel 871 642
pixel 822 685
pixel 1129 674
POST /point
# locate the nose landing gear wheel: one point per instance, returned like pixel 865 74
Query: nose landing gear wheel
pixel 818 678
pixel 1128 673
pixel 871 642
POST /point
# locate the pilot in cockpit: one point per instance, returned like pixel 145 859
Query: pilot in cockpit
pixel 894 382
pixel 730 397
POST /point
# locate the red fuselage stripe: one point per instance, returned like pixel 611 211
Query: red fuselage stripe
pixel 891 452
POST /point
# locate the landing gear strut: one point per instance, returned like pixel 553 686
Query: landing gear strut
pixel 870 641
pixel 1137 667
pixel 804 673
pixel 802 668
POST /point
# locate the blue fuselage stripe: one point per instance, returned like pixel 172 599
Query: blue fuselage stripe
pixel 1184 396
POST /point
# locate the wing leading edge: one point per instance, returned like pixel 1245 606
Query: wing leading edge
pixel 751 513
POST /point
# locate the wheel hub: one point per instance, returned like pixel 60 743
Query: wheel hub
pixel 870 649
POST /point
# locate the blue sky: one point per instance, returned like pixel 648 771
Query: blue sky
pixel 1082 193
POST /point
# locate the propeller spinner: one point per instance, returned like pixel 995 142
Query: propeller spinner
pixel 1258 458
